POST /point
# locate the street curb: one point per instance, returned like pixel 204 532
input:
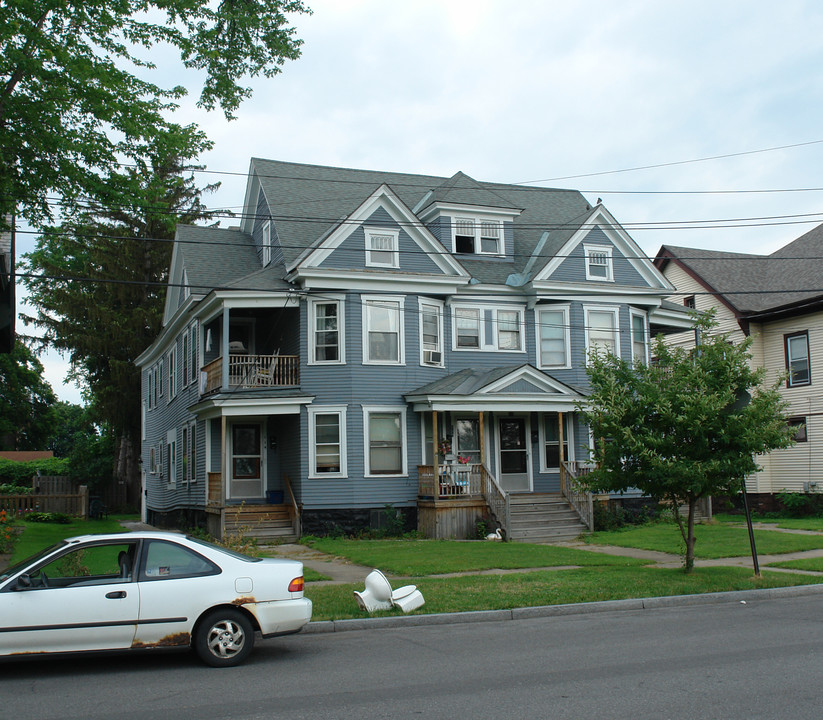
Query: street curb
pixel 652 603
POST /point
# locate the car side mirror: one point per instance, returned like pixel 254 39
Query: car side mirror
pixel 23 582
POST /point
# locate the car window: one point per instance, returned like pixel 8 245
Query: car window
pixel 31 560
pixel 98 564
pixel 167 560
pixel 227 551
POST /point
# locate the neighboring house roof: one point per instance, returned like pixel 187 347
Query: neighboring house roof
pixel 757 285
pixel 26 455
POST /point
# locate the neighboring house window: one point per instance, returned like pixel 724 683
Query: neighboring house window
pixel 326 336
pixel 383 330
pixel 467 327
pixel 171 455
pixel 798 424
pixel 602 332
pixel 150 387
pixel 160 377
pixel 478 236
pixel 184 447
pixel 192 452
pixel 171 362
pixel 688 302
pixel 431 333
pixel 186 360
pixel 186 286
pixel 327 442
pixel 382 248
pixel 152 461
pixel 598 262
pixel 797 359
pixel 155 383
pixel 194 342
pixel 266 242
pixel 553 338
pixel 550 440
pixel 143 420
pixel 640 348
pixel 385 441
pixel 488 328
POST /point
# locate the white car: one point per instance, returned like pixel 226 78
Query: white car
pixel 148 590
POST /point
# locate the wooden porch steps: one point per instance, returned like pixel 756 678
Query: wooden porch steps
pixel 266 523
pixel 543 518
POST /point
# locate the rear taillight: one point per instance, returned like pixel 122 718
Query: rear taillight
pixel 296 585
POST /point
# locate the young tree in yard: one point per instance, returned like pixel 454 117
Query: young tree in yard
pixel 26 417
pixel 684 428
pixel 76 90
pixel 98 283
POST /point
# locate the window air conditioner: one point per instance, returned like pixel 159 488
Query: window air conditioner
pixel 432 357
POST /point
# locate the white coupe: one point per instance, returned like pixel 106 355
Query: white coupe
pixel 148 590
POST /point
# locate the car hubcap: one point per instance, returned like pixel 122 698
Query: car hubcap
pixel 225 639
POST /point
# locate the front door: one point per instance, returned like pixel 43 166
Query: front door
pixel 514 454
pixel 247 461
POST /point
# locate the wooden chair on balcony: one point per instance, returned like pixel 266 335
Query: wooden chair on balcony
pixel 265 375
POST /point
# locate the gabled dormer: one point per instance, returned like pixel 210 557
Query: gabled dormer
pixel 469 219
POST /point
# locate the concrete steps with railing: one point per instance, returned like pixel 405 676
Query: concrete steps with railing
pixel 543 518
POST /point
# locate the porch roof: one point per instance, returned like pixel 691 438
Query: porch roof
pixel 249 402
pixel 520 388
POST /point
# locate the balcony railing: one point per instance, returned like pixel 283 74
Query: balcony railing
pixel 252 371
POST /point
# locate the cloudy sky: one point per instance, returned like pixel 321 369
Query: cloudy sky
pixel 560 94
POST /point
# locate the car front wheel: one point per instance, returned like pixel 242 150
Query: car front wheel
pixel 224 638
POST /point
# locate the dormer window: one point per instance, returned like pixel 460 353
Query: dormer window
pixel 478 236
pixel 382 248
pixel 598 263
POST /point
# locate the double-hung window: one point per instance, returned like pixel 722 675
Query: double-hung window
pixel 798 424
pixel 431 333
pixel 467 327
pixel 508 330
pixel 382 248
pixel 185 379
pixel 488 328
pixel 171 362
pixel 598 262
pixel 797 359
pixel 327 442
pixel 266 243
pixel 171 455
pixel 383 330
pixel 640 346
pixel 553 337
pixel 385 441
pixel 550 439
pixel 326 331
pixel 478 236
pixel 602 334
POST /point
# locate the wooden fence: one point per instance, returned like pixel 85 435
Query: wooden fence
pixel 76 503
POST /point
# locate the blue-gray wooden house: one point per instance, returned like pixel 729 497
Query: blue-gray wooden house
pixel 370 339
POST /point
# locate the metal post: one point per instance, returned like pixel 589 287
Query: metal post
pixel 751 530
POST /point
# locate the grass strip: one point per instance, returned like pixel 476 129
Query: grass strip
pixel 532 589
pixel 436 557
pixel 711 541
pixel 811 564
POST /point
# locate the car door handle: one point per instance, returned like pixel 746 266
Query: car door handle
pixel 116 595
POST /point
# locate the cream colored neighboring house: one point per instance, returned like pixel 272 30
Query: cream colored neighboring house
pixel 776 299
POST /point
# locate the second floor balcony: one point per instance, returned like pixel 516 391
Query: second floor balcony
pixel 251 371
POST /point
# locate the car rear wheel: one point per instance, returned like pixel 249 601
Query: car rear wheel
pixel 224 638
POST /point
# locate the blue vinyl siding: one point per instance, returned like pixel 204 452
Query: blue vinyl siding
pixel 573 268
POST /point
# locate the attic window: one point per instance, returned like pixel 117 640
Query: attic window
pixel 266 242
pixel 598 263
pixel 477 236
pixel 382 248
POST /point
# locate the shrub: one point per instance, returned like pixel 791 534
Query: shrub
pixel 800 504
pixel 9 489
pixel 21 473
pixel 48 517
pixel 614 518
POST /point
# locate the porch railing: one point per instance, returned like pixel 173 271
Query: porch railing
pixel 252 371
pixel 454 480
pixel 497 500
pixel 579 498
pixel 294 510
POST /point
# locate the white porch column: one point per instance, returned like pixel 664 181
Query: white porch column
pixel 224 370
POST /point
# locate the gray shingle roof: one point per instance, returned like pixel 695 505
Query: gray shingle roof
pixel 307 201
pixel 755 284
pixel 469 381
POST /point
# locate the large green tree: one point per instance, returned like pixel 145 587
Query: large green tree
pixel 98 282
pixel 684 428
pixel 26 417
pixel 77 89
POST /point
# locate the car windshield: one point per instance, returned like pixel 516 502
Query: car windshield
pixel 16 568
pixel 222 549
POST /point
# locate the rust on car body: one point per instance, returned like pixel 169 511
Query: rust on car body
pixel 243 601
pixel 175 640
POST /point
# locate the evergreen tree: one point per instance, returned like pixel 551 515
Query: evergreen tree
pixel 26 417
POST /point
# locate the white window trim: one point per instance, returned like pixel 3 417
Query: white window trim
pixel 171 378
pixel 440 309
pixel 491 344
pixel 602 308
pixel 369 233
pixel 565 309
pixel 478 221
pixel 787 338
pixel 568 436
pixel 266 243
pixel 152 460
pixel 589 250
pixel 633 314
pixel 192 476
pixel 401 350
pixel 367 411
pixel 194 352
pixel 185 446
pixel 185 351
pixel 340 411
pixel 339 300
pixel 186 286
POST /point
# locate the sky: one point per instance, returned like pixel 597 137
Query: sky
pixel 555 93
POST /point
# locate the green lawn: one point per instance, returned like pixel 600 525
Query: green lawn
pixel 38 535
pixel 806 523
pixel 436 557
pixel 711 541
pixel 494 592
pixel 813 564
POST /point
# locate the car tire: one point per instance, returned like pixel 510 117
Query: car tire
pixel 224 638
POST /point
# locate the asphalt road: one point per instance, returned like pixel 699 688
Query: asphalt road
pixel 762 659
